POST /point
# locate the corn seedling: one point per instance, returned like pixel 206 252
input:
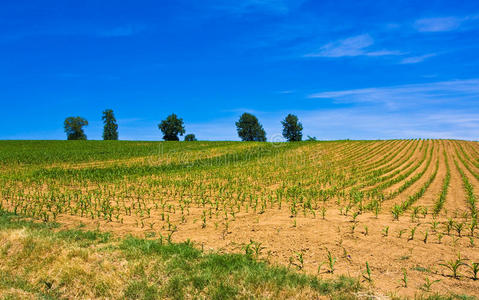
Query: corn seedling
pixel 454 265
pixel 439 238
pixel 300 259
pixel 475 270
pixel 367 275
pixel 428 284
pixel 412 233
pixel 386 231
pixel 459 227
pixel 404 278
pixel 331 262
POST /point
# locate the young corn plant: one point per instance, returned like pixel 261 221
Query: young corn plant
pixel 439 238
pixel 331 262
pixel 454 265
pixel 396 211
pixel 367 274
pixel 475 270
pixel 300 258
pixel 434 225
pixel 386 231
pixel 404 279
pixel 459 227
pixel 257 249
pixel 323 213
pixel 412 233
pixel 366 230
pixel 428 284
pixel 449 225
pixel 248 249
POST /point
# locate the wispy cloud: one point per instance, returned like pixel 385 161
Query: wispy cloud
pixel 443 24
pixel 353 46
pixel 454 92
pixel 438 24
pixel 417 59
pixel 364 123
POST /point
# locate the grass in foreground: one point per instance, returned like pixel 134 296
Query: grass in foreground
pixel 38 261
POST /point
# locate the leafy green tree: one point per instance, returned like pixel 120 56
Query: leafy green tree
pixel 249 128
pixel 171 127
pixel 110 129
pixel 292 129
pixel 190 138
pixel 74 128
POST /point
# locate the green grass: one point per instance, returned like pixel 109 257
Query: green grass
pixel 47 152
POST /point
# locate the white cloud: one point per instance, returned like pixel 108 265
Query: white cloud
pixel 383 53
pixel 417 59
pixel 352 46
pixel 438 24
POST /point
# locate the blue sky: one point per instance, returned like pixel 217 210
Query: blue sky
pixel 348 69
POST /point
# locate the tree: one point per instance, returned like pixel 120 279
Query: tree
pixel 110 129
pixel 74 128
pixel 249 128
pixel 190 138
pixel 292 129
pixel 171 127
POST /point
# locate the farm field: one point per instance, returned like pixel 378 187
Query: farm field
pixel 400 216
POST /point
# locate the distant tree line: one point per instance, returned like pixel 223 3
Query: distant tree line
pixel 248 127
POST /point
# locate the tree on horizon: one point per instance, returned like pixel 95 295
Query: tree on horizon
pixel 110 129
pixel 74 128
pixel 249 128
pixel 190 138
pixel 292 129
pixel 171 127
